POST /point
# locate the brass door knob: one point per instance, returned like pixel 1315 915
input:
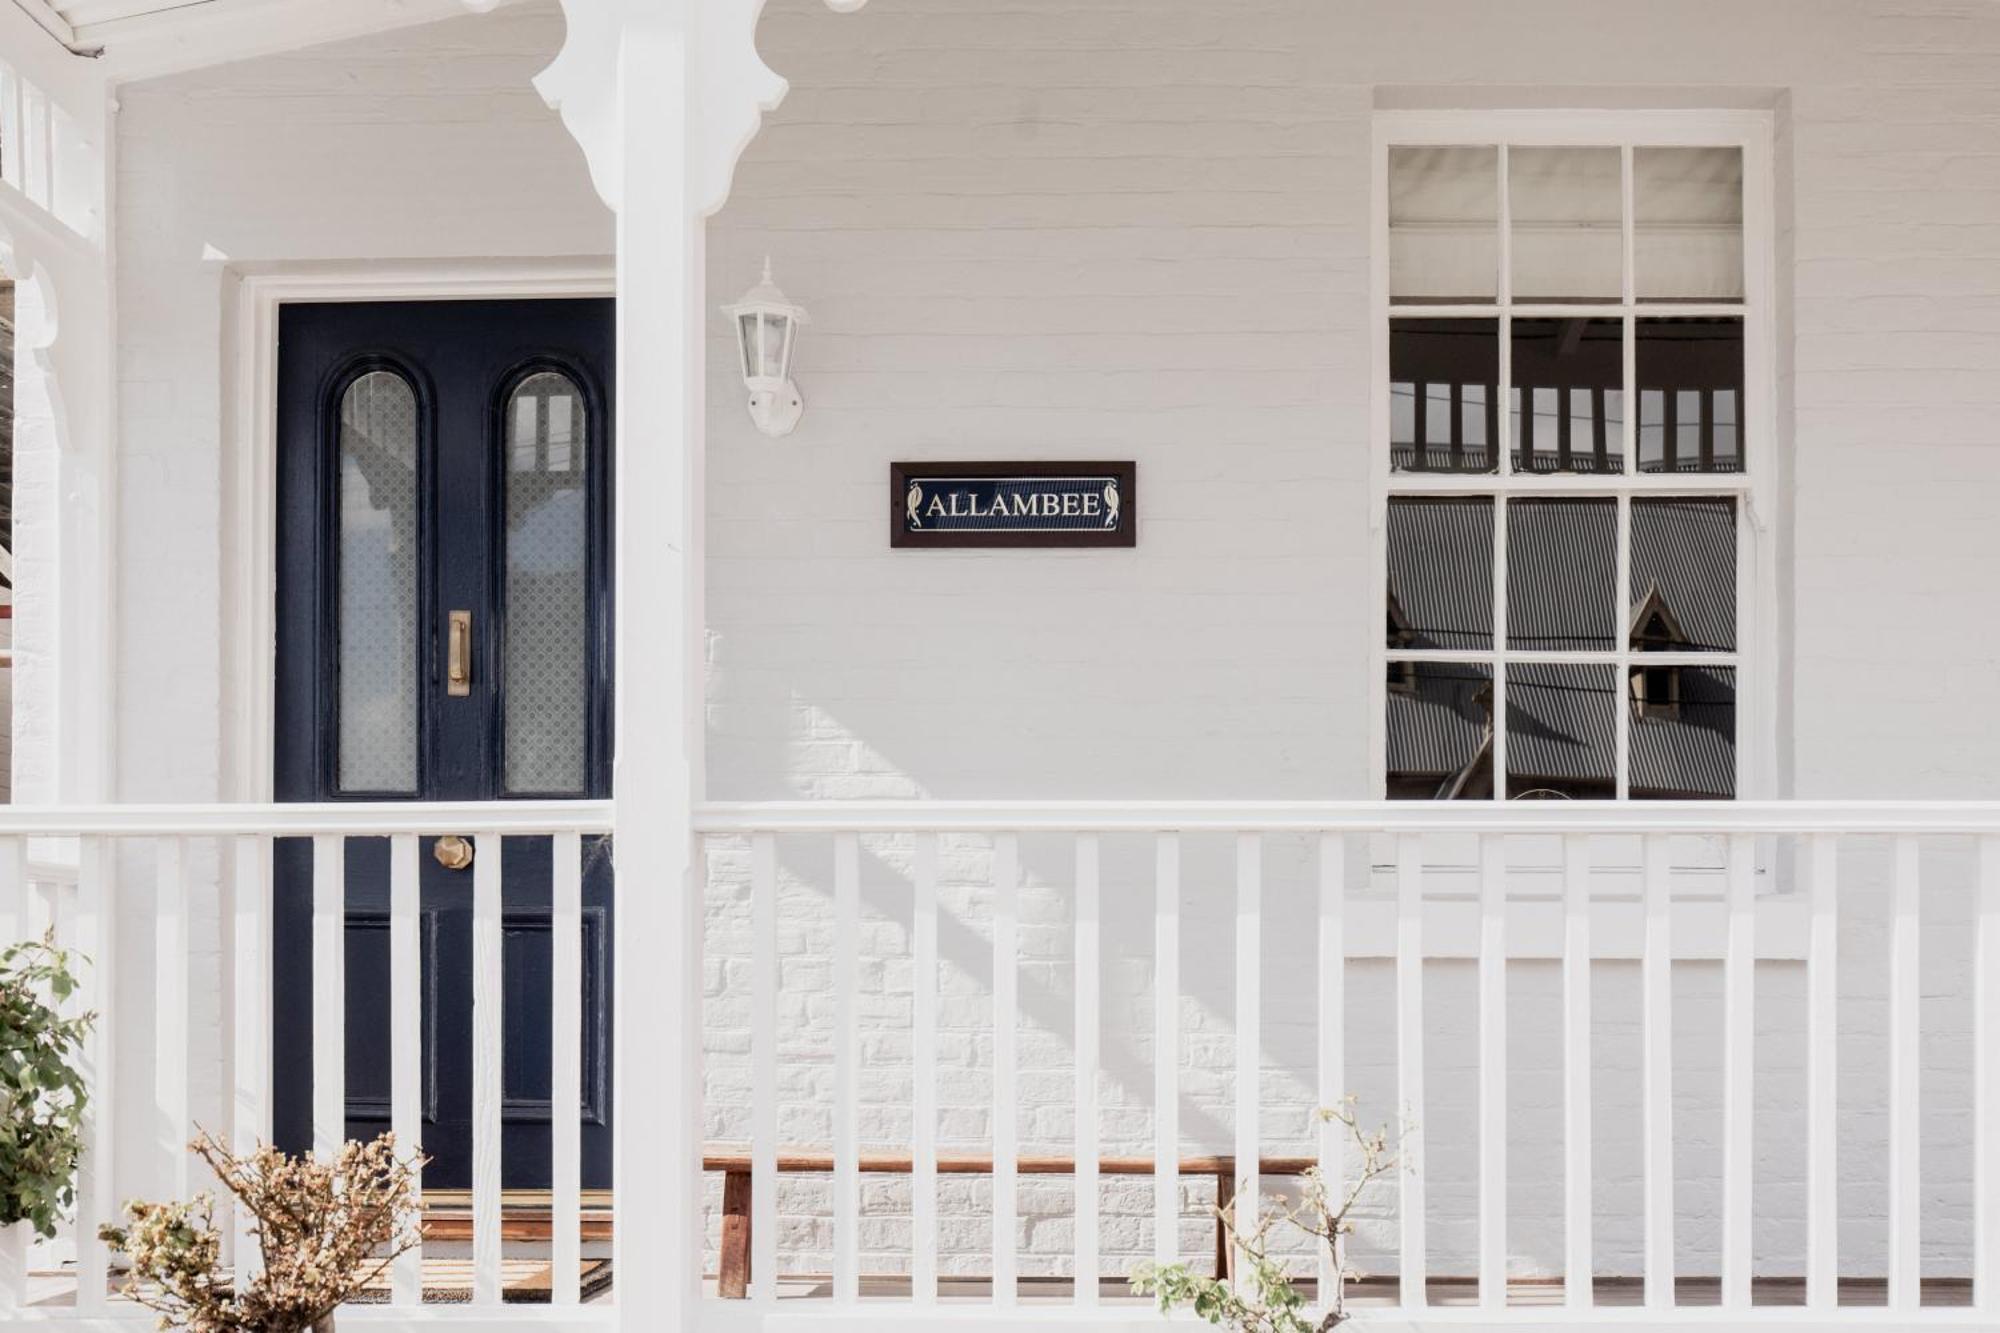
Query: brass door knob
pixel 453 852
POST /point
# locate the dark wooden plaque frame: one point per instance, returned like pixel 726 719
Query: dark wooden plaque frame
pixel 1124 535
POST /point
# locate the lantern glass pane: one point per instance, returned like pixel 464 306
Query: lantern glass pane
pixel 746 338
pixel 790 326
pixel 771 351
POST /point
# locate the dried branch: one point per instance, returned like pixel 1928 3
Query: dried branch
pixel 1262 1298
pixel 324 1229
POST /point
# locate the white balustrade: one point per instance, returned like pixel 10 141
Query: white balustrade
pixel 1203 898
pixel 103 867
pixel 1747 887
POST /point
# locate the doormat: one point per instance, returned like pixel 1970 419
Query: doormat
pixel 522 1282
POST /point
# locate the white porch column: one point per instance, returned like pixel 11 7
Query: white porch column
pixel 663 95
pixel 54 170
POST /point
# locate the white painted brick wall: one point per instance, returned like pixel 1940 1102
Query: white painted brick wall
pixel 1141 231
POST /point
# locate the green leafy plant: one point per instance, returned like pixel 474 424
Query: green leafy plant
pixel 42 1096
pixel 325 1230
pixel 1264 1299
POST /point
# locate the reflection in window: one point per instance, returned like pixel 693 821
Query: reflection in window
pixel 1683 590
pixel 1440 732
pixel 1440 572
pixel 547 621
pixel 1562 574
pixel 1444 223
pixel 1690 395
pixel 1444 377
pixel 1687 223
pixel 1570 375
pixel 1562 731
pixel 1567 207
pixel 378 585
pixel 1683 733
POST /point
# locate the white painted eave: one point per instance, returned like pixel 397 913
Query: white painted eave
pixel 148 38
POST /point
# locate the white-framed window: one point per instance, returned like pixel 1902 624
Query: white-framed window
pixel 1573 423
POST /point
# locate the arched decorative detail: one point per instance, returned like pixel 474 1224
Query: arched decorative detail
pixel 733 86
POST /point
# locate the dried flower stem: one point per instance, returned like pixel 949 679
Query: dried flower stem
pixel 324 1229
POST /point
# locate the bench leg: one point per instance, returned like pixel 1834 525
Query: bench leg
pixel 733 1271
pixel 1225 1253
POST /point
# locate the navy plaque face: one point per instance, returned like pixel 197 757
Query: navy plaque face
pixel 1013 504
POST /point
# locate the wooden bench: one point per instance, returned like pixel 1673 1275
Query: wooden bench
pixel 733 1279
pixel 525 1215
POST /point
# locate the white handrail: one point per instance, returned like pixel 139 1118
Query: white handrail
pixel 1552 817
pixel 355 819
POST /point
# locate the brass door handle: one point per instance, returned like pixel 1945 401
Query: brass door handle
pixel 453 852
pixel 458 656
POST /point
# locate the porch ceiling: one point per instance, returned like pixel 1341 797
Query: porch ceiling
pixel 82 13
pixel 145 38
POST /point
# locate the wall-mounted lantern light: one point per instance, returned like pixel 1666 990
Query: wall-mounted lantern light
pixel 767 331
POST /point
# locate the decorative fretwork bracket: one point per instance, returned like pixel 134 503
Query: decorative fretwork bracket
pixel 730 86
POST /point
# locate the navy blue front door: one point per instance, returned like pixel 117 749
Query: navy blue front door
pixel 443 614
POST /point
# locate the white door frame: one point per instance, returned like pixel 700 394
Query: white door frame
pixel 250 454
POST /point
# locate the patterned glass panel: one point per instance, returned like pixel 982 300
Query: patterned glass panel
pixel 378 585
pixel 547 592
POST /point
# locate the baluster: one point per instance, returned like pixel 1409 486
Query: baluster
pixel 1087 1038
pixel 846 1059
pixel 96 937
pixel 1410 1068
pixel 488 992
pixel 406 1010
pixel 1492 1073
pixel 1167 1050
pixel 1905 1032
pixel 16 913
pixel 170 1011
pixel 923 1098
pixel 1249 1039
pixel 1006 1095
pixel 15 1239
pixel 1579 1262
pixel 1739 1070
pixel 1822 1082
pixel 1657 1084
pixel 250 1031
pixel 10 128
pixel 1332 1143
pixel 1986 1085
pixel 329 991
pixel 764 1066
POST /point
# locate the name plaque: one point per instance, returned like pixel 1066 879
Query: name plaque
pixel 1013 504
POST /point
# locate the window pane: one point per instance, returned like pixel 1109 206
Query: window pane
pixel 1561 731
pixel 1683 575
pixel 1687 223
pixel 1571 375
pixel 1444 224
pixel 1683 733
pixel 378 585
pixel 1562 569
pixel 1440 573
pixel 547 630
pixel 1566 205
pixel 1690 395
pixel 1440 731
pixel 1443 381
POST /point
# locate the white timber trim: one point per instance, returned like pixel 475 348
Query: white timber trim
pixel 250 370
